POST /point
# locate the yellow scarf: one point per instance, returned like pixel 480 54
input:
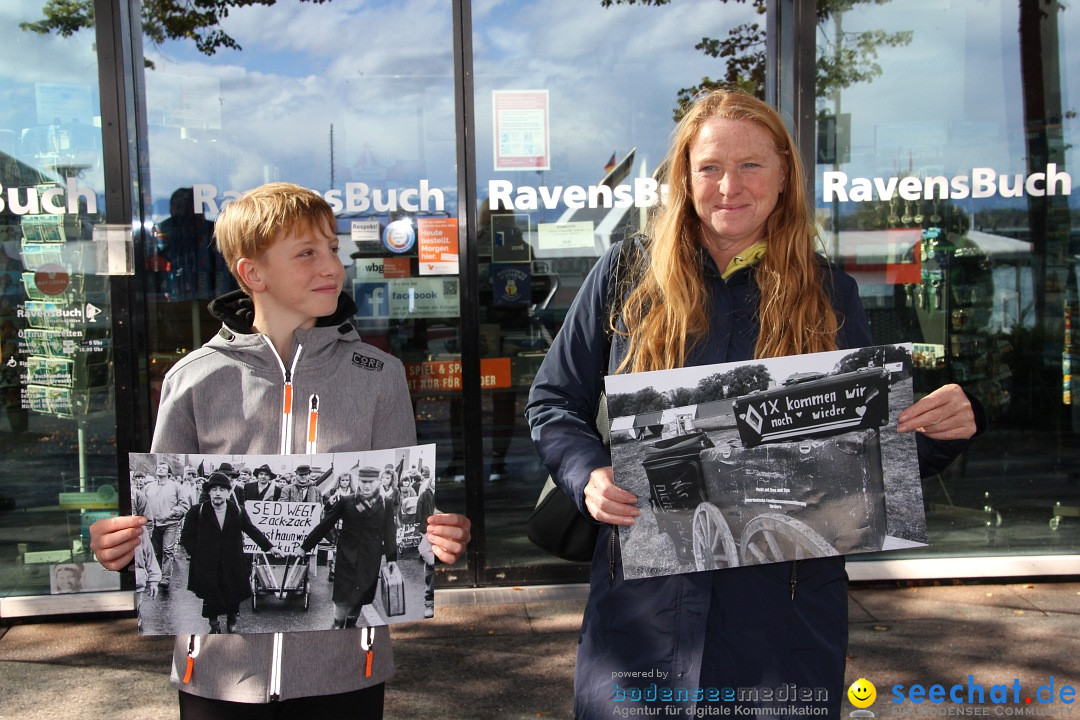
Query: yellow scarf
pixel 749 256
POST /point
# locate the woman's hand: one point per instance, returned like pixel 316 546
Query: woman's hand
pixel 448 534
pixel 944 414
pixel 113 540
pixel 607 502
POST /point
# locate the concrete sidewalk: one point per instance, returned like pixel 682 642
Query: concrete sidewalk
pixel 509 653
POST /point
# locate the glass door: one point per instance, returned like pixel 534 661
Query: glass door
pixel 356 101
pixel 58 423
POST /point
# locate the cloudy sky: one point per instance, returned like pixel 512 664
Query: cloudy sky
pixel 374 81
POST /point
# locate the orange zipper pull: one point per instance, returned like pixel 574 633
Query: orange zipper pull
pixel 367 642
pixel 192 653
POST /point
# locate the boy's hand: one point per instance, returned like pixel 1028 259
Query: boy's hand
pixel 113 540
pixel 448 534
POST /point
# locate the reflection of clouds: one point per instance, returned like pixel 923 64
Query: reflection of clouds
pixel 384 77
pixel 962 67
pixel 303 68
pixel 613 74
pixel 32 57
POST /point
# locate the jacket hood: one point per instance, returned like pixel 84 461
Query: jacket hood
pixel 236 311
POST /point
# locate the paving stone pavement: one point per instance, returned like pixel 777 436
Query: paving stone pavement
pixel 508 654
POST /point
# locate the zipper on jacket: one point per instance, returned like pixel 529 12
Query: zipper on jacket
pixel 611 553
pixel 275 669
pixel 285 445
pixel 794 581
pixel 287 375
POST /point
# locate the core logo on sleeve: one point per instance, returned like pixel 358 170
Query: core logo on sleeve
pixel 368 363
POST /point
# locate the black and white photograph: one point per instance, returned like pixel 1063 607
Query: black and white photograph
pixel 283 543
pixel 766 460
pixel 77 577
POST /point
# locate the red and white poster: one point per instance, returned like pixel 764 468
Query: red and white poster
pixel 522 139
pixel 438 242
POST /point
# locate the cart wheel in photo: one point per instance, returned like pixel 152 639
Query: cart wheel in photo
pixel 254 594
pixel 773 538
pixel 714 545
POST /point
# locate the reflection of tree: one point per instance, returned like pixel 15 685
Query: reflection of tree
pixel 161 20
pixel 845 59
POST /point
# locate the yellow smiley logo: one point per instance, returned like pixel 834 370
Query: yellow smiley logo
pixel 862 693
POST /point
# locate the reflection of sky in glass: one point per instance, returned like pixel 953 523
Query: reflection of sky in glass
pixel 949 101
pixel 47 78
pixel 382 75
pixel 613 75
pixel 372 80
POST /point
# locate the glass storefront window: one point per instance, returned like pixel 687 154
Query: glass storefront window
pixel 574 104
pixel 58 424
pixel 356 102
pixel 944 186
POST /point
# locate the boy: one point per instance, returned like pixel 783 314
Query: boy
pixel 286 329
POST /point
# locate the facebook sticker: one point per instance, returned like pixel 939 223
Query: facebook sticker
pixel 372 299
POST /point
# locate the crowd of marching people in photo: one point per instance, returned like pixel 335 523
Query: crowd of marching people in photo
pixel 169 500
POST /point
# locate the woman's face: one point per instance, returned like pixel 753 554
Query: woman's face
pixel 736 178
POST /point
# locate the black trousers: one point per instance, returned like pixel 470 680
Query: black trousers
pixel 363 704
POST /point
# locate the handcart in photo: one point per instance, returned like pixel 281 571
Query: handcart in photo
pixel 408 531
pixel 808 485
pixel 290 579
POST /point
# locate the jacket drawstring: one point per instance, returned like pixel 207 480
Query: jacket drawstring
pixel 313 424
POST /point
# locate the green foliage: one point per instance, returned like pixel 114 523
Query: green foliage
pixel 841 62
pixel 64 17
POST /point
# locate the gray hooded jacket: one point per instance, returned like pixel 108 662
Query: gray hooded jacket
pixel 228 397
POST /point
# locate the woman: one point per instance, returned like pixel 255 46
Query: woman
pixel 727 271
pixel 344 488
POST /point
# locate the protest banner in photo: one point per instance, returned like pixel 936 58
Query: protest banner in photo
pixel 766 460
pixel 276 543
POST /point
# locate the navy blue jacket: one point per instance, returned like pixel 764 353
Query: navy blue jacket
pixel 736 628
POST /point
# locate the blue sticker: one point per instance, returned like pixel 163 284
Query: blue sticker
pixel 399 236
pixel 372 299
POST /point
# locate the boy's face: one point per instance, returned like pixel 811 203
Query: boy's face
pixel 300 275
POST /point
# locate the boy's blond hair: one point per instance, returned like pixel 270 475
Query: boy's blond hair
pixel 249 224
